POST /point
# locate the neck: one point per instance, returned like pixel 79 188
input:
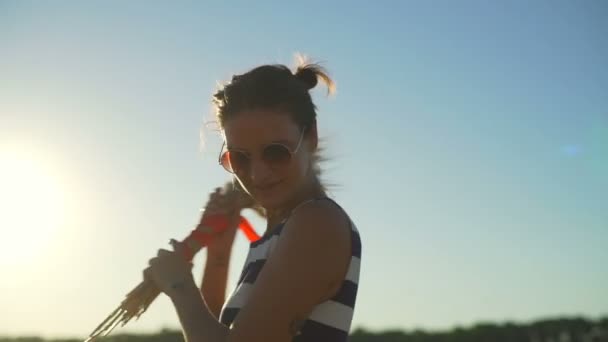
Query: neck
pixel 313 190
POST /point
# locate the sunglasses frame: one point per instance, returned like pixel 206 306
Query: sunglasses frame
pixel 248 155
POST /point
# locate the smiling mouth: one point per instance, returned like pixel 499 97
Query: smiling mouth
pixel 266 187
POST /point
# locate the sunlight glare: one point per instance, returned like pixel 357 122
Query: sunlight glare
pixel 31 207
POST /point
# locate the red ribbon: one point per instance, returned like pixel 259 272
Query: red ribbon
pixel 217 223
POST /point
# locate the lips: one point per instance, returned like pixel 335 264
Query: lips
pixel 267 186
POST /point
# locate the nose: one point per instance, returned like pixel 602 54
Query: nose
pixel 259 171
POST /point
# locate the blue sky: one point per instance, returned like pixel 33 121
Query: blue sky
pixel 468 141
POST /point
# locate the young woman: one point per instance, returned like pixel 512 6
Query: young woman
pixel 299 281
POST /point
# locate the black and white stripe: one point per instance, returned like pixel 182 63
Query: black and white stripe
pixel 330 320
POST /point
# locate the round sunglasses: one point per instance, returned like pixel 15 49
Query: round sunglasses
pixel 275 155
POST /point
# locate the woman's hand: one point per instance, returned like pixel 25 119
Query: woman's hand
pixel 169 270
pixel 226 202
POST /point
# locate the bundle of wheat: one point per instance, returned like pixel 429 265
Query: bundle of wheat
pixel 139 299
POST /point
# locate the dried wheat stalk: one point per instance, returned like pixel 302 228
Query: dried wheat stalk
pixel 139 299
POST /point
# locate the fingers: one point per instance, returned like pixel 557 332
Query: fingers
pixel 166 266
pixel 161 253
pixel 178 247
pixel 148 274
pixel 214 195
pixel 221 202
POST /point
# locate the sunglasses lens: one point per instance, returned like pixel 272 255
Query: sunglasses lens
pixel 234 161
pixel 276 155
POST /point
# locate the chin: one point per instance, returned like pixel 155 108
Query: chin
pixel 268 202
pixel 271 200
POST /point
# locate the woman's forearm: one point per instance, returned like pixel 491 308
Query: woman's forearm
pixel 214 282
pixel 198 324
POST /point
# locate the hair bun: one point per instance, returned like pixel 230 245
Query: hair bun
pixel 308 76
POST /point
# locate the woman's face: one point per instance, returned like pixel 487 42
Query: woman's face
pixel 253 137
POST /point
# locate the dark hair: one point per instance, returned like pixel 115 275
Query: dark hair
pixel 273 86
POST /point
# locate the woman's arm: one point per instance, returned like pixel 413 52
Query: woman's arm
pixel 198 324
pixel 215 274
pixel 215 278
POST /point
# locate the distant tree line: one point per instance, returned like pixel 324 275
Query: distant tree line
pixel 548 330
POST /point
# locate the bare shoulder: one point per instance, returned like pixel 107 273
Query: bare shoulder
pixel 319 218
pixel 323 229
pixel 320 231
pixel 312 255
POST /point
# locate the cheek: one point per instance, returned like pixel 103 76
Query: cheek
pixel 300 168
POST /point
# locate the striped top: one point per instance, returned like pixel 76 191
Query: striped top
pixel 330 320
